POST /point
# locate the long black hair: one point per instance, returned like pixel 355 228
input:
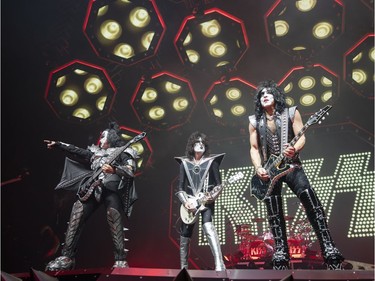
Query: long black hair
pixel 114 135
pixel 194 138
pixel 278 95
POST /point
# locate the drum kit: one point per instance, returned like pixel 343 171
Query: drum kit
pixel 257 247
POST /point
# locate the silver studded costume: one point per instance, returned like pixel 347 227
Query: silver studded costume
pixel 116 191
pixel 196 177
pixel 297 181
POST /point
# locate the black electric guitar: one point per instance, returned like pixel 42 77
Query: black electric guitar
pixel 89 183
pixel 276 166
pixel 201 199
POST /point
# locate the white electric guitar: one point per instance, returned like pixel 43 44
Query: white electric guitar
pixel 199 201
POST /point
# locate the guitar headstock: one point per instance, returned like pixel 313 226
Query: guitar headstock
pixel 319 115
pixel 235 177
pixel 138 137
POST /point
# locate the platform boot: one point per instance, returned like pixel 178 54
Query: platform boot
pixel 280 258
pixel 67 261
pixel 213 240
pixel 116 228
pixel 317 217
pixel 184 251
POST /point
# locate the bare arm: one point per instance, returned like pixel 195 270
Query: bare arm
pixel 297 126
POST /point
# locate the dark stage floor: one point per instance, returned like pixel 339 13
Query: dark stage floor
pixel 144 274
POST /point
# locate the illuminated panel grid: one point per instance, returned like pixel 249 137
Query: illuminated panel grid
pixel 232 203
pixel 351 175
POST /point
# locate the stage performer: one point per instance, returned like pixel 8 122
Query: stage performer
pixel 199 173
pixel 271 129
pixel 114 187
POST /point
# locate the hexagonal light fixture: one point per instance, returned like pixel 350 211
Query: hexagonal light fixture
pixel 164 101
pixel 229 102
pixel 323 23
pixel 359 66
pixel 80 92
pixel 212 40
pixel 124 31
pixel 310 88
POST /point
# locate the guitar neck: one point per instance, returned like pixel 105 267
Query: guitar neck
pixel 293 142
pixel 110 160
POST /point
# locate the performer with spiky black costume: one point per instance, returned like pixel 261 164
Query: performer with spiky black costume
pixel 199 173
pixel 271 130
pixel 114 188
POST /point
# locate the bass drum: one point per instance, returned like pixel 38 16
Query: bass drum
pixel 259 250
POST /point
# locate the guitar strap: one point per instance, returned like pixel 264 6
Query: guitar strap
pixel 284 128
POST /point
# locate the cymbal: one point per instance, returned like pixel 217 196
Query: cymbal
pixel 259 220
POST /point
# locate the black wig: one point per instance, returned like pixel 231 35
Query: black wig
pixel 194 138
pixel 114 135
pixel 278 95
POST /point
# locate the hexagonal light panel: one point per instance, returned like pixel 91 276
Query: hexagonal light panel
pixel 80 92
pixel 163 102
pixel 310 88
pixel 304 27
pixel 124 31
pixel 213 40
pixel 359 66
pixel 230 102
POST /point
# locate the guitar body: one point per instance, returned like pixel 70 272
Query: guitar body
pixel 201 199
pixel 261 189
pixel 189 217
pixel 186 216
pixel 276 166
pixel 86 187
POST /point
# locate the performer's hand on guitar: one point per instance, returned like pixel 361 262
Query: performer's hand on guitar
pixel 108 169
pixel 289 151
pixel 262 173
pixel 50 144
pixel 190 207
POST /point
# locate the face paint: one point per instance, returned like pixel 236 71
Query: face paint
pixel 266 98
pixel 104 140
pixel 199 146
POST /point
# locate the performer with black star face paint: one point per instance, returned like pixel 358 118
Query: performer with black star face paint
pixel 199 174
pixel 114 187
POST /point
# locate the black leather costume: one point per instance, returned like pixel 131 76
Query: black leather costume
pixel 298 182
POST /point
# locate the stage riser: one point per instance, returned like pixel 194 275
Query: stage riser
pixel 139 274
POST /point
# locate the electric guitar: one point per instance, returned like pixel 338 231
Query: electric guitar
pixel 201 199
pixel 89 183
pixel 276 166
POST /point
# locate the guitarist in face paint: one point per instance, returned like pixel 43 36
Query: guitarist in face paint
pixel 113 187
pixel 199 173
pixel 271 130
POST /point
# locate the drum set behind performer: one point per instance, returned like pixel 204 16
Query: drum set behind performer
pixel 261 247
pixel 253 247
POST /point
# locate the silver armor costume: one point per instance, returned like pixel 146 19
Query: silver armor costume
pixel 195 177
pixel 116 191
